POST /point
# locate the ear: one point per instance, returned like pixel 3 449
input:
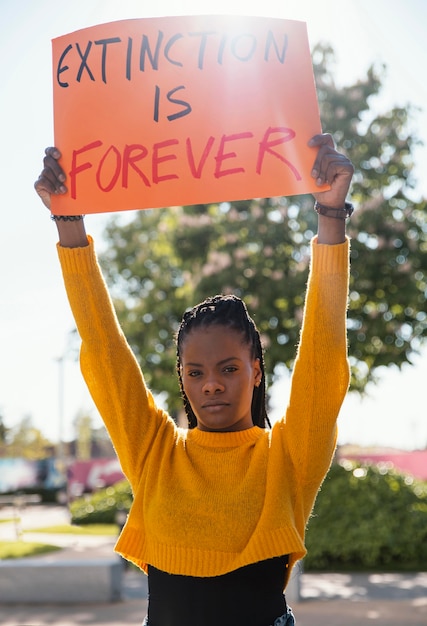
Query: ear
pixel 257 373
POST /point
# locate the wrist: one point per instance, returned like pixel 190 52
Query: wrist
pixel 71 230
pixel 337 212
pixel 66 218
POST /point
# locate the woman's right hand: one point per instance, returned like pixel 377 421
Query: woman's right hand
pixel 72 233
pixel 52 178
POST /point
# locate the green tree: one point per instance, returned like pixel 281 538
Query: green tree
pixel 3 432
pixel 164 261
pixel 387 318
pixel 27 441
pixel 153 289
pixel 83 429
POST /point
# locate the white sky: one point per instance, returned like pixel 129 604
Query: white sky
pixel 35 322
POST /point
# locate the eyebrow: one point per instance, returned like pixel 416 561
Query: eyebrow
pixel 227 360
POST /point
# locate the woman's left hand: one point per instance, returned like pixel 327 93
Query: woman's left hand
pixel 333 168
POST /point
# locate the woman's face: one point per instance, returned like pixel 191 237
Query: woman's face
pixel 218 375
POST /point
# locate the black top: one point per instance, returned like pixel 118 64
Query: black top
pixel 251 595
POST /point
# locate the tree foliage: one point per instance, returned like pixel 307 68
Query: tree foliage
pixel 3 431
pixel 83 429
pixel 26 441
pixel 164 261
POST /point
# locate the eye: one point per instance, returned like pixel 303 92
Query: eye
pixel 194 373
pixel 230 368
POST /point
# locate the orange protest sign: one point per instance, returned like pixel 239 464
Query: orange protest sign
pixel 162 112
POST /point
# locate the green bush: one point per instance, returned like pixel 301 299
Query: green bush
pixel 368 518
pixel 102 507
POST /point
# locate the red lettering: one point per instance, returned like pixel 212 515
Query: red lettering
pixel 123 165
pixel 84 166
pixel 196 171
pixel 161 159
pixel 266 146
pixel 133 153
pixel 222 156
pixel 116 169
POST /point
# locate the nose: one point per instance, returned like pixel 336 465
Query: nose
pixel 212 386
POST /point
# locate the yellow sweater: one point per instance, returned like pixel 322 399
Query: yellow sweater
pixel 208 503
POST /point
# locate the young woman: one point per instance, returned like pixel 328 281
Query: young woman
pixel 220 509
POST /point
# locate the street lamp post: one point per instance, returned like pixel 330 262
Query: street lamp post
pixel 61 448
pixel 60 361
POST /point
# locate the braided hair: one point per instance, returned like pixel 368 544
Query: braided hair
pixel 231 312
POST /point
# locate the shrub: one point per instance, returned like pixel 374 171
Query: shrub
pixel 103 506
pixel 368 517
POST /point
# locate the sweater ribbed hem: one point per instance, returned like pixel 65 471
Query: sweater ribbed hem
pixel 188 561
pixel 78 260
pixel 329 259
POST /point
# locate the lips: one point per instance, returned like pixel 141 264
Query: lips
pixel 214 405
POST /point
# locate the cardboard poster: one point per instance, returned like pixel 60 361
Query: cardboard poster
pixel 172 111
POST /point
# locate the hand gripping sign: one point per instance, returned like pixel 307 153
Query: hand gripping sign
pixel 171 111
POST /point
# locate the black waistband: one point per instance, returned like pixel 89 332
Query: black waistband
pixel 251 595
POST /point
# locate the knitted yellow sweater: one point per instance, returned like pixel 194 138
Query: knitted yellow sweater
pixel 208 503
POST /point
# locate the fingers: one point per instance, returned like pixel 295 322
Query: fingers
pixel 52 177
pixel 52 170
pixel 322 139
pixel 325 155
pixel 328 163
pixel 331 168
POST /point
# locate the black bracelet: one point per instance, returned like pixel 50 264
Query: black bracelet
pixel 341 214
pixel 66 218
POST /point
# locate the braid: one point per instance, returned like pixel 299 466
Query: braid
pixel 231 312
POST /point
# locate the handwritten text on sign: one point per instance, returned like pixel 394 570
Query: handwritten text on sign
pixel 185 110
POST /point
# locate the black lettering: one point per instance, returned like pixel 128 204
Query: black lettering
pixel 202 49
pixel 251 50
pixel 156 103
pixel 169 45
pixel 146 50
pixel 104 43
pixel 84 64
pixel 129 58
pixel 271 42
pixel 221 49
pixel 64 68
pixel 186 107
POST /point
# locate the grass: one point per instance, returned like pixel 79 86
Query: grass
pixel 24 549
pixel 21 549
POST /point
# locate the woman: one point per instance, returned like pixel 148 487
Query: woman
pixel 220 508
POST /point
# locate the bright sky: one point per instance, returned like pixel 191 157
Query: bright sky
pixel 35 322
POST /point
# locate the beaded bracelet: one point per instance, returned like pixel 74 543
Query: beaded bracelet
pixel 66 218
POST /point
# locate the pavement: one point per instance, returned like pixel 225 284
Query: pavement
pixel 325 599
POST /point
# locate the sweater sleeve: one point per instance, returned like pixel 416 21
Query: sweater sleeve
pixel 321 374
pixel 108 364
